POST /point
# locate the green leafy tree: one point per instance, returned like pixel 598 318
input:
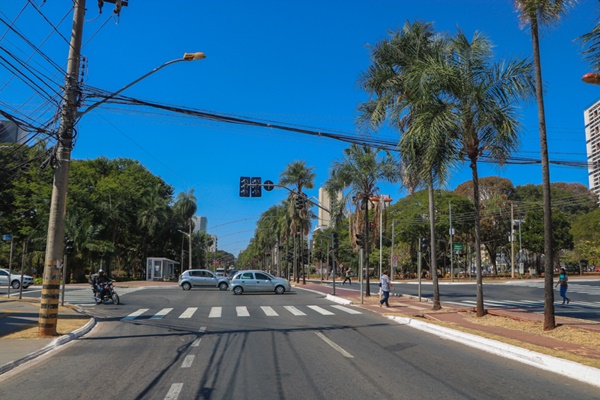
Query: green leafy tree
pixel 533 233
pixel 495 194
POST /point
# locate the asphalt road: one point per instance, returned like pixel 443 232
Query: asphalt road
pixel 205 344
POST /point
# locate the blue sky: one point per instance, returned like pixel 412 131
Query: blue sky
pixel 291 62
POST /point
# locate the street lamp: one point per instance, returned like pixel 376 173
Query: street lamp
pixel 382 199
pixel 591 78
pixel 68 117
pixel 189 249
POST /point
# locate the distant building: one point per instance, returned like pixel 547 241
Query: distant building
pixel 592 139
pixel 324 217
pixel 199 224
pixel 11 133
pixel 214 247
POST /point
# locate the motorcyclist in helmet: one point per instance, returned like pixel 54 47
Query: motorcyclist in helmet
pixel 99 281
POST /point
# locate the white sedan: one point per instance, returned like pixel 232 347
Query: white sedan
pixel 14 280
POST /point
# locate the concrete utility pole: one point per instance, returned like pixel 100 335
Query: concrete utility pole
pixel 56 225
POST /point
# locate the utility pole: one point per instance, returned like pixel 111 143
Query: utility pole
pixel 512 240
pixel 56 225
pixel 451 243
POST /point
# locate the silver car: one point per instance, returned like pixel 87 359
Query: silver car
pixel 202 278
pixel 258 281
pixel 15 279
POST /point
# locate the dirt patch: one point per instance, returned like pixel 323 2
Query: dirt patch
pixel 65 324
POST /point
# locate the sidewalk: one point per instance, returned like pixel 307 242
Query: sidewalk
pixel 452 323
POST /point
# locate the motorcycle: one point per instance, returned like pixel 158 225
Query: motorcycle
pixel 107 294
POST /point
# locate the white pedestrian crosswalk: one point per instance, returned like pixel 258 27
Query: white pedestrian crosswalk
pixel 243 311
pixel 524 304
pixel 574 286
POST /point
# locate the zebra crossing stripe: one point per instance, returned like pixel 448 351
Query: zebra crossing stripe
pixel 187 361
pixel 294 311
pixel 174 391
pixel 162 313
pixel 346 309
pixel 135 314
pixel 321 310
pixel 189 312
pixel 269 312
pixel 215 312
pixel 242 311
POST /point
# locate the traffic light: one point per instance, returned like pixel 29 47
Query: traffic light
pixel 334 240
pixel 360 239
pixel 371 226
pixel 255 188
pixel 299 201
pixel 69 246
pixel 424 244
pixel 244 188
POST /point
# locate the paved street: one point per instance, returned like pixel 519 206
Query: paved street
pixel 164 343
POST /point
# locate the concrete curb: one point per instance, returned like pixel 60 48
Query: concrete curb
pixel 573 370
pixel 56 343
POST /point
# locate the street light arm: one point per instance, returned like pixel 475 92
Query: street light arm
pixel 186 57
pixel 315 203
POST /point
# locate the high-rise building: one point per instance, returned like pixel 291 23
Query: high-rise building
pixel 199 224
pixel 11 133
pixel 324 217
pixel 592 139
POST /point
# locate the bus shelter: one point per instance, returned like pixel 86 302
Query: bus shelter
pixel 160 269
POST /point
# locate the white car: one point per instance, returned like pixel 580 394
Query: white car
pixel 258 281
pixel 15 280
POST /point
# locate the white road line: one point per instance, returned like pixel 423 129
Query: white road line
pixel 321 310
pixel 215 312
pixel 269 312
pixel 294 311
pixel 334 345
pixel 135 314
pixel 196 342
pixel 162 313
pixel 174 391
pixel 189 312
pixel 202 329
pixel 346 309
pixel 187 361
pixel 242 311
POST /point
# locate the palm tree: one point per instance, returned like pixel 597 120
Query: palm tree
pixel 400 95
pixel 359 170
pixel 298 176
pixel 484 97
pixel 185 207
pixel 537 13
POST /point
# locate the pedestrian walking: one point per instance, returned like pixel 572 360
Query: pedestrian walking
pixel 385 285
pixel 563 278
pixel 347 277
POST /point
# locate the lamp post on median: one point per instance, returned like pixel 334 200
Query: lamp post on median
pixel 56 226
pixel 189 249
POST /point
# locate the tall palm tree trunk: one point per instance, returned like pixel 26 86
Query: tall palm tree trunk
pixel 432 237
pixel 549 320
pixel 476 201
